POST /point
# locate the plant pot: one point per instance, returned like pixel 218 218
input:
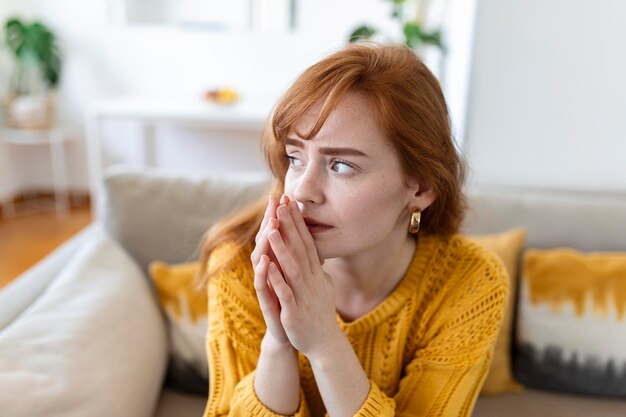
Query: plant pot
pixel 32 112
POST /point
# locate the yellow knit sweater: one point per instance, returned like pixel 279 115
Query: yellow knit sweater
pixel 426 348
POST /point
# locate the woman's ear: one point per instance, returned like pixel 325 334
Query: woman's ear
pixel 420 196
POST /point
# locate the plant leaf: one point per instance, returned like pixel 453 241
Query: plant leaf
pixel 413 36
pixel 362 32
pixel 34 44
pixel 14 33
pixel 433 38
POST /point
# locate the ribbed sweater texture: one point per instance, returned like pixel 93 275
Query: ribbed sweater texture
pixel 426 348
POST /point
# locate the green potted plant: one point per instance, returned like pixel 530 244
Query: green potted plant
pixel 412 15
pixel 30 100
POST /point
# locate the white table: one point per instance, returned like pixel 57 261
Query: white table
pixel 245 115
pixel 55 139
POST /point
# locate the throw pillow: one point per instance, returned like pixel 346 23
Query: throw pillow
pixel 185 308
pixel 508 246
pixel 572 326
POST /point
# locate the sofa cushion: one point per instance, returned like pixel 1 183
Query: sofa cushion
pixel 536 403
pixel 93 344
pixel 507 246
pixel 572 322
pixel 179 404
pixel 157 215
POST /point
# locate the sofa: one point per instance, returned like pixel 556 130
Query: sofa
pixel 81 332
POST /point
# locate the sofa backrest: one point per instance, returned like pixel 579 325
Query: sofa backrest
pixel 583 220
pixel 157 215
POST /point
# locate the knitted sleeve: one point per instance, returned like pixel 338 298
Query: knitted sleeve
pixel 444 377
pixel 233 343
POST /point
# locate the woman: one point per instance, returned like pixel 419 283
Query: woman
pixel 354 295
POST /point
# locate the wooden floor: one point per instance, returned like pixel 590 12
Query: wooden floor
pixel 26 239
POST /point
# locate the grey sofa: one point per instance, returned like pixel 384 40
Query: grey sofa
pixel 152 215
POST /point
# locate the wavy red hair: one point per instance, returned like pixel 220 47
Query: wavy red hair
pixel 410 108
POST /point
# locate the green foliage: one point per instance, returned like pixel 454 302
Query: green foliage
pixel 362 32
pixel 34 44
pixel 414 35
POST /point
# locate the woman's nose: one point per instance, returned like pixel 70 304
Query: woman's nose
pixel 309 187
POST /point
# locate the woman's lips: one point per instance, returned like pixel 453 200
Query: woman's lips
pixel 314 225
pixel 318 228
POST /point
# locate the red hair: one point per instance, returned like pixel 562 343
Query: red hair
pixel 411 110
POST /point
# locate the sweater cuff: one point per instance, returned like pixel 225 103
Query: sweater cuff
pixel 377 404
pixel 245 402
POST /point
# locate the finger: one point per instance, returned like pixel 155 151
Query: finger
pixel 291 237
pixel 268 301
pixel 283 291
pixel 262 246
pixel 260 273
pixel 270 211
pixel 291 270
pixel 271 289
pixel 305 235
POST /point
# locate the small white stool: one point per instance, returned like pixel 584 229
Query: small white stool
pixel 55 139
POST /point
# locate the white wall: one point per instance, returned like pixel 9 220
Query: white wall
pixel 548 94
pixel 104 60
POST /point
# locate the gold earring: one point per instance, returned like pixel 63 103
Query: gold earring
pixel 416 216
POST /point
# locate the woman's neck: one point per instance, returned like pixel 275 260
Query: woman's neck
pixel 364 280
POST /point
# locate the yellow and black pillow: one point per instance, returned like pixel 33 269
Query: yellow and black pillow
pixel 572 322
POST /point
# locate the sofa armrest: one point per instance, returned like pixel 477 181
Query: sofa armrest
pixel 25 289
pixel 92 344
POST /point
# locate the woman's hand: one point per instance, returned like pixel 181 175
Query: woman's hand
pixel 305 291
pixel 261 257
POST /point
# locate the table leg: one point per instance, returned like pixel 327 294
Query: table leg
pixel 149 146
pixel 59 173
pixel 94 152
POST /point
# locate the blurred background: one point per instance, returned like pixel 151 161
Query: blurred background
pixel 536 91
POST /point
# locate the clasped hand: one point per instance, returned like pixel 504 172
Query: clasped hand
pixel 296 295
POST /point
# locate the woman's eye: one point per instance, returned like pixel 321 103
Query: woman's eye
pixel 292 160
pixel 345 166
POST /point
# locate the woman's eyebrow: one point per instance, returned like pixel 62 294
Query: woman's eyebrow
pixel 327 150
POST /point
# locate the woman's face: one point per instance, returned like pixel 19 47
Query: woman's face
pixel 349 178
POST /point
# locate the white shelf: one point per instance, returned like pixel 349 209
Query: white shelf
pixel 33 137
